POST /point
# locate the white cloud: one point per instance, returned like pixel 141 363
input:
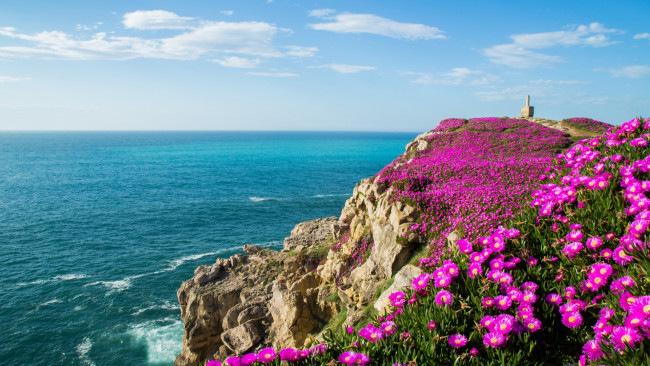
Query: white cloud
pixel 349 69
pixel 582 35
pixel 10 79
pixel 273 74
pixel 195 40
pixel 633 72
pixel 519 57
pixel 299 51
pixel 557 82
pixel 156 19
pixel 227 12
pixel 457 76
pixel 512 93
pixel 642 36
pixel 518 54
pixel 374 24
pixel 321 13
pixel 239 62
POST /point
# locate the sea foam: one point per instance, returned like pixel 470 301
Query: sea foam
pixel 161 337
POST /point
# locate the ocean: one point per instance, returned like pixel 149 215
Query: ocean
pixel 99 229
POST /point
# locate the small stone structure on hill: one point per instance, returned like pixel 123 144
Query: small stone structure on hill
pixel 527 111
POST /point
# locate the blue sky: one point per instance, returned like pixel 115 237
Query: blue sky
pixel 317 65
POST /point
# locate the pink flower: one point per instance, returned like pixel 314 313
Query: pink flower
pixel 431 325
pixel 503 302
pixel 474 270
pixel 554 299
pixel 594 242
pixel 504 323
pixel 592 350
pixel 635 319
pixel 494 340
pixel 213 363
pixel 641 306
pixel 624 336
pixel 572 319
pixel 421 282
pixel 572 249
pixel 348 358
pixel 457 340
pixel 362 359
pixel 464 246
pixel 621 257
pixel 487 302
pixel 533 325
pixel 389 327
pixel 248 359
pixel 443 298
pixel 233 361
pixel 488 322
pixel 266 355
pixel 289 354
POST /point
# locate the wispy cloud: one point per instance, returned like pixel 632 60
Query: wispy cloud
pixel 11 79
pixel 274 74
pixel 346 69
pixel 156 19
pixel 457 76
pixel 518 54
pixel 239 62
pixel 632 72
pixel 196 39
pixel 227 12
pixel 557 82
pixel 642 36
pixel 373 24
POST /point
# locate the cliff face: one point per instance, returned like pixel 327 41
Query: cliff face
pixel 285 299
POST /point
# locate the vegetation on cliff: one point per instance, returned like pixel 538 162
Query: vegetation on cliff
pixel 559 276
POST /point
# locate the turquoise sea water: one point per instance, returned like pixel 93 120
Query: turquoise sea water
pixel 99 229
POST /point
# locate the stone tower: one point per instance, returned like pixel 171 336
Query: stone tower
pixel 527 111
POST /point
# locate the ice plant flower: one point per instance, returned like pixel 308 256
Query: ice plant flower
pixel 289 354
pixel 266 355
pixel 233 361
pixel 443 298
pixel 248 359
pixel 624 336
pixel 592 350
pixel 494 340
pixel 421 282
pixel 572 319
pixel 457 340
pixel 348 358
pixel 431 325
pixel 213 363
pixel 641 306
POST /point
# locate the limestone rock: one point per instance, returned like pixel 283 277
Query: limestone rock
pixel 309 232
pixel 241 338
pixel 401 282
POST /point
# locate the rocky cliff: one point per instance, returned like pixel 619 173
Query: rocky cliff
pixel 331 273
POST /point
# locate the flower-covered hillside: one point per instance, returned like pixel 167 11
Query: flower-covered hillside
pixel 472 175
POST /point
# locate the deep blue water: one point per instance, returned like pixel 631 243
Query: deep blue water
pixel 99 229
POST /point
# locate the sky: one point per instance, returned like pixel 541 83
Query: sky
pixel 363 65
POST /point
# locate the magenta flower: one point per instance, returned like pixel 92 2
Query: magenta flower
pixel 594 242
pixel 488 322
pixel 624 336
pixel 502 302
pixel 443 298
pixel 574 235
pixel 572 319
pixel 362 359
pixel 531 261
pixel 621 257
pixel 474 270
pixel 289 354
pixel 635 320
pixel 572 249
pixel 233 361
pixel 348 358
pixel 248 359
pixel 442 281
pixel 606 254
pixel 533 324
pixel 389 327
pixel 487 302
pixel 397 299
pixel 504 323
pixel 592 350
pixel 213 363
pixel 266 355
pixel 494 340
pixel 641 306
pixel 528 297
pixel 457 340
pixel 405 335
pixel 431 325
pixel 529 286
pixel 421 282
pixel 464 246
pixel 371 334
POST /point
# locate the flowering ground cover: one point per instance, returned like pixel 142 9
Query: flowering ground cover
pixel 563 280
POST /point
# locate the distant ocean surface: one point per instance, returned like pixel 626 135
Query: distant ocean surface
pixel 99 229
